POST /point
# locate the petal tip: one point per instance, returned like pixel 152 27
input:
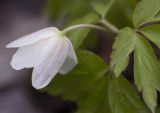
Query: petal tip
pixel 38 87
pixel 11 45
pixel 16 67
pixel 8 45
pixel 38 81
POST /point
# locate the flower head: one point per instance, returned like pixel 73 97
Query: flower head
pixel 47 51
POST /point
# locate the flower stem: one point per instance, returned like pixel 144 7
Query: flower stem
pixel 110 26
pixel 71 28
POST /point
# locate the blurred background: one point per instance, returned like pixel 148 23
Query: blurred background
pixel 20 17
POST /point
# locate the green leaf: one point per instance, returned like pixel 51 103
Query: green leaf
pixel 158 110
pixel 112 95
pixel 146 72
pixel 71 86
pixel 94 92
pixel 146 65
pixel 102 6
pixel 123 98
pixel 123 46
pixel 152 33
pixel 120 14
pixel 145 12
pixel 78 36
pixel 68 11
pixel 156 18
pixel 97 100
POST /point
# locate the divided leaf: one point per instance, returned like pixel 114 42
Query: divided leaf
pixel 146 65
pixel 78 36
pixel 122 47
pixel 146 71
pixel 152 33
pixel 146 11
pixel 86 84
pixel 123 98
pixel 102 6
pixel 112 95
pixel 94 92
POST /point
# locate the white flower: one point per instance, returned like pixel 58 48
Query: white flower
pixel 47 51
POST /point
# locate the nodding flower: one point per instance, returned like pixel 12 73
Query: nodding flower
pixel 47 51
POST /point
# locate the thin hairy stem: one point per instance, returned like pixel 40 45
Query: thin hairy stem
pixel 74 27
pixel 110 26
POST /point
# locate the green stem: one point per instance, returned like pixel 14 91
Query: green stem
pixel 110 26
pixel 71 28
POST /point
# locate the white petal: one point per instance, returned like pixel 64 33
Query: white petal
pixel 26 56
pixel 50 48
pixel 71 60
pixel 46 70
pixel 34 37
